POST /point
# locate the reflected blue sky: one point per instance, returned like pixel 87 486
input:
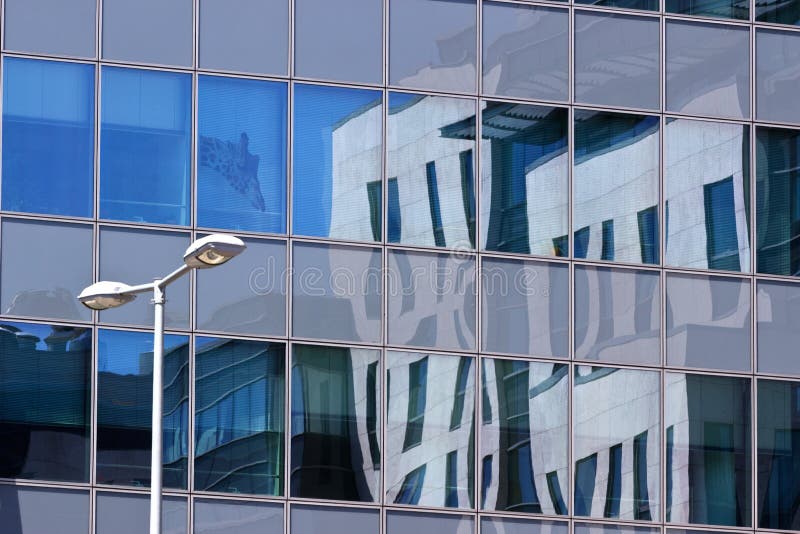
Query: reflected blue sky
pixel 120 352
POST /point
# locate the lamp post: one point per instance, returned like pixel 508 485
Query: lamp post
pixel 204 253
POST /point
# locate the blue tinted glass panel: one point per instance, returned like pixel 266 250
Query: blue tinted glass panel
pixel 337 154
pixel 241 154
pixel 48 137
pixel 145 139
pixel 727 9
pixel 124 404
pixel 778 11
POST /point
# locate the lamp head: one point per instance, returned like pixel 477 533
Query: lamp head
pixel 105 295
pixel 213 250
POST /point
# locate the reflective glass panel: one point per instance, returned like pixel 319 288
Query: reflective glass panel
pixel 708 451
pixel 431 171
pixel 777 77
pixel 337 162
pixel 617 59
pixel 145 137
pixel 433 44
pixel 524 437
pixel 649 5
pixel 707 187
pixel 48 137
pixel 431 300
pixel 617 315
pixel 222 517
pixel 129 513
pixel 148 31
pixel 307 519
pixel 781 12
pixel 45 402
pixel 241 154
pixel 262 35
pixel 51 27
pixel 777 201
pixel 335 428
pixel 336 292
pixel 139 257
pixel 44 267
pixel 708 322
pixel 524 178
pixel 728 9
pixel 247 296
pixel 525 307
pixel 708 69
pixel 125 403
pixel 525 51
pixel 778 336
pixel 430 430
pixel 778 436
pixel 239 413
pixel 508 525
pixel 615 187
pixel 586 528
pixel 617 431
pixel 427 523
pixel 340 40
pixel 38 510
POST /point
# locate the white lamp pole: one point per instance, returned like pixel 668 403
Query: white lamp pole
pixel 204 253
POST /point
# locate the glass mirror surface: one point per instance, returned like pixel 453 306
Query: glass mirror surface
pixel 22 510
pixel 524 438
pixel 616 187
pixel 510 525
pixel 778 336
pixel 616 428
pixel 427 523
pixel 524 179
pixel 587 528
pixel 726 9
pixel 220 517
pixel 708 451
pixel 129 513
pixel 777 79
pixel 145 141
pixel 707 189
pixel 334 520
pixel 335 440
pixel 51 27
pixel 48 137
pixel 239 416
pixel 337 187
pixel 125 404
pixel 241 154
pixel 786 12
pixel 45 402
pixel 431 171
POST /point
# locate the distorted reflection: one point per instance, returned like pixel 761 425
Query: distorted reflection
pixel 778 11
pixel 510 525
pixel 221 516
pixel 524 436
pixel 588 528
pixel 778 336
pixel 430 429
pixel 427 523
pixel 335 447
pixel 727 9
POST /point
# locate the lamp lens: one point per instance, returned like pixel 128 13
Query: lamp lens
pixel 211 257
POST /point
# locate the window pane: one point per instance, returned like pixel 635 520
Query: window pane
pixel 241 154
pixel 524 179
pixel 617 422
pixel 525 51
pixel 125 403
pixel 45 266
pixel 337 156
pixel 48 137
pixel 430 160
pixel 778 455
pixel 247 296
pixel 708 449
pixel 219 517
pixel 779 12
pixel 777 79
pixel 262 36
pixel 129 513
pixel 45 402
pixel 163 252
pixel 728 9
pixel 617 59
pixel 52 27
pixel 525 307
pixel 148 31
pixel 586 528
pixel 777 201
pixel 616 179
pixel 427 523
pixel 336 292
pixel 37 510
pixel 508 525
pixel 707 184
pixel 529 416
pixel 331 396
pixel 340 40
pixel 145 136
pixel 433 44
pixel 778 335
pixel 431 300
pixel 708 69
pixel 617 315
pixel 708 322
pixel 334 520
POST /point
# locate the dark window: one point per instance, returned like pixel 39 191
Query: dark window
pixel 608 240
pixel 372 414
pixel 464 367
pixel 720 473
pixel 581 242
pixel 374 197
pixel 641 497
pixel 648 234
pixel 468 192
pixel 585 473
pixel 433 203
pixel 411 490
pixel 451 480
pixel 394 221
pixel 560 245
pixel 486 478
pixel 417 393
pixel 670 438
pixel 554 488
pixel 486 402
pixel 614 483
pixel 722 245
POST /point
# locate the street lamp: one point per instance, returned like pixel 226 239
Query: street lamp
pixel 204 253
